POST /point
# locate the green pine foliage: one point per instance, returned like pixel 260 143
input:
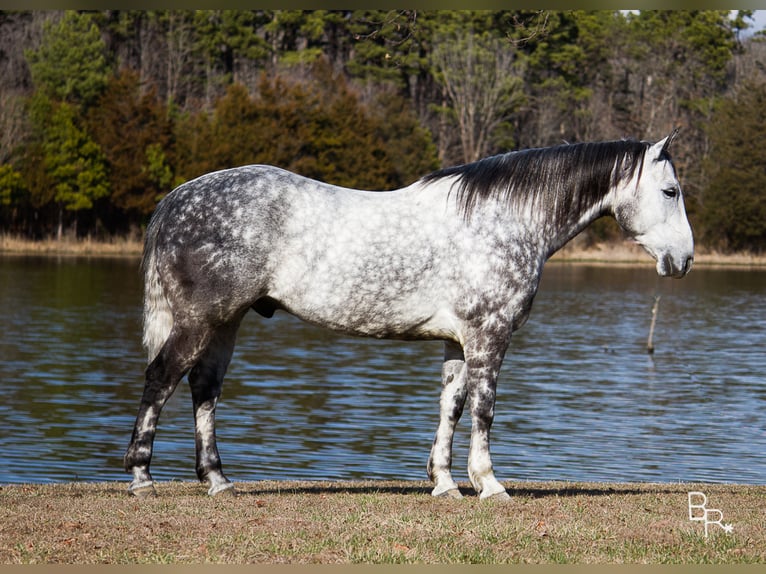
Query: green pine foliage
pixel 11 184
pixel 70 65
pixel 73 161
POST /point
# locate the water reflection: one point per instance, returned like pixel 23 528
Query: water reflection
pixel 579 398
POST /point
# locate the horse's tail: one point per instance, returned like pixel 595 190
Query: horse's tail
pixel 158 318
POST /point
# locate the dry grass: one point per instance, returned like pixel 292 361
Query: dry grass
pixel 377 522
pixel 118 246
pixel 630 253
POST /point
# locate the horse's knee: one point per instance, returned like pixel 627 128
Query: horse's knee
pixel 482 402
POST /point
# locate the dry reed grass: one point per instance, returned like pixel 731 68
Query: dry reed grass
pixel 118 246
pixel 615 253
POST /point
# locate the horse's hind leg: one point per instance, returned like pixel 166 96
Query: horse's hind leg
pixel 451 407
pixel 179 353
pixel 205 381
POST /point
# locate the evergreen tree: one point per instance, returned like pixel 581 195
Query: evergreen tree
pixel 734 205
pixel 386 46
pixel 235 133
pixel 320 129
pixel 70 65
pixel 74 164
pixel 69 71
pixel 135 136
pixel 409 145
pixel 11 185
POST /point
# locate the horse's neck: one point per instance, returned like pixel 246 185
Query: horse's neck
pixel 542 230
pixel 569 230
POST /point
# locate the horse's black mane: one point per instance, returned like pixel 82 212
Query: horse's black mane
pixel 565 179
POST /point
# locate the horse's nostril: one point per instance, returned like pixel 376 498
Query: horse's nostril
pixel 688 264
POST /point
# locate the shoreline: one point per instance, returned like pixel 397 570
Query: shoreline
pixel 626 253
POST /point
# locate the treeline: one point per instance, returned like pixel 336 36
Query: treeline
pixel 102 113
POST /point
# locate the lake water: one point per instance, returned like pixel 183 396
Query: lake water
pixel 578 399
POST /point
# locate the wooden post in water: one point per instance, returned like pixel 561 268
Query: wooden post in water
pixel 649 342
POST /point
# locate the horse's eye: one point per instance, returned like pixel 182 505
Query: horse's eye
pixel 670 193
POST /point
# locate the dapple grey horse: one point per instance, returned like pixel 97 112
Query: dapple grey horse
pixel 456 256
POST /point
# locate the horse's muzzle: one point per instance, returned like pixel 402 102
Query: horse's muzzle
pixel 668 267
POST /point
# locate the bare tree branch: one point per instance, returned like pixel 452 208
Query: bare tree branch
pixel 482 79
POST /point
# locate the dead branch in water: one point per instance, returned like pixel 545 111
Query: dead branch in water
pixel 650 342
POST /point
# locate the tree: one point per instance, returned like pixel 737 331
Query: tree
pixel 70 65
pixel 733 204
pixel 236 132
pixel 678 65
pixel 233 49
pixel 317 126
pixel 409 145
pixel 11 184
pixel 385 47
pixel 555 79
pixel 370 98
pixel 320 129
pixel 74 163
pixel 482 80
pixel 681 59
pixel 134 133
pixel 69 70
pixel 13 124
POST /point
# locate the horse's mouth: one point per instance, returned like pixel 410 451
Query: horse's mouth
pixel 667 267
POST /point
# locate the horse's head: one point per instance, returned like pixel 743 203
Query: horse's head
pixel 651 209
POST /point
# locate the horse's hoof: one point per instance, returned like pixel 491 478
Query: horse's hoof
pixel 500 497
pixel 144 490
pixel 451 493
pixel 223 490
pixel 446 491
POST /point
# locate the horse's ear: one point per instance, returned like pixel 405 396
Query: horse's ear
pixel 669 139
pixel 663 145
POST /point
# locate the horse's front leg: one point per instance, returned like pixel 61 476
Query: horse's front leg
pixel 450 408
pixel 206 389
pixel 484 357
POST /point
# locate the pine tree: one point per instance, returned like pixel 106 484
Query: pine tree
pixel 74 164
pixel 11 184
pixel 734 205
pixel 70 65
